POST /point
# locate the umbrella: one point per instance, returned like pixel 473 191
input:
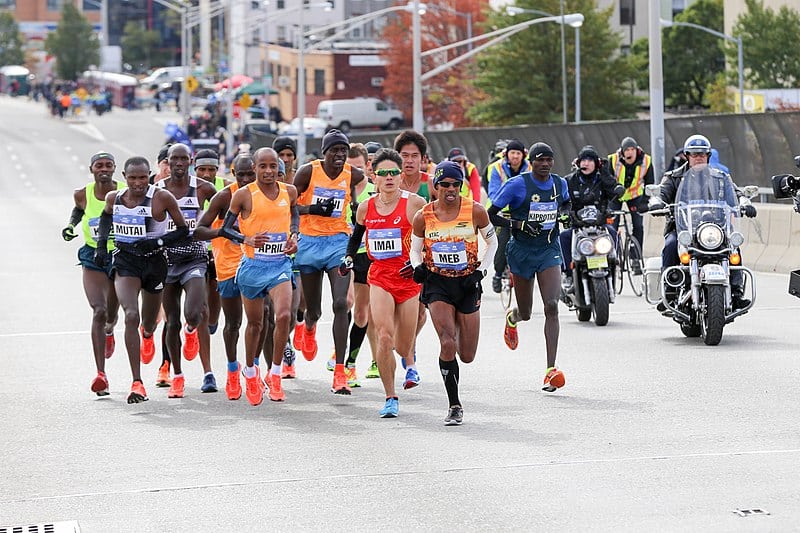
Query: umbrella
pixel 233 82
pixel 254 89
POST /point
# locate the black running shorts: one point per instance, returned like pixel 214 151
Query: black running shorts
pixel 152 270
pixel 463 293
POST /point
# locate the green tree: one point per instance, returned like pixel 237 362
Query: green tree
pixel 73 43
pixel 141 46
pixel 770 46
pixel 521 76
pixel 11 52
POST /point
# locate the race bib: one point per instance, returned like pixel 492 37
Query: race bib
pixel 94 228
pixel 321 193
pixel 129 228
pixel 385 243
pixel 272 250
pixel 449 255
pixel 545 213
pixel 189 215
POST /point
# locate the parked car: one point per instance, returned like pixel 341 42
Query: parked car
pixel 167 75
pixel 359 113
pixel 314 127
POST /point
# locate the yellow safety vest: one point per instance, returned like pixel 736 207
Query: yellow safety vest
pixel 637 184
pixel 466 190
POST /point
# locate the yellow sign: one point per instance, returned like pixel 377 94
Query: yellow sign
pixel 191 84
pixel 81 93
pixel 753 103
pixel 245 101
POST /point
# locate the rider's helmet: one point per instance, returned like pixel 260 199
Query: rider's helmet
pixel 697 144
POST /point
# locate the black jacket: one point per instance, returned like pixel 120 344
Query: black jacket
pixel 597 189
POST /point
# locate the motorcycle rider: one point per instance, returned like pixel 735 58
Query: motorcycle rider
pixel 590 184
pixel 697 149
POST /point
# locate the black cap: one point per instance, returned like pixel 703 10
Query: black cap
pixel 628 142
pixel 447 169
pixel 588 152
pixel 540 149
pixel 515 144
pixel 282 143
pixel 456 154
pixel 332 138
pixel 163 153
pixel 372 147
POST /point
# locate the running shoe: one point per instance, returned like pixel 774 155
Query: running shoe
pixel 287 367
pixel 110 344
pixel 138 393
pixel 276 393
pixel 309 345
pixel 233 387
pixel 191 345
pixel 390 408
pixel 254 389
pixel 510 333
pixel 288 371
pixel 373 371
pixel 412 379
pixel 455 416
pixel 209 383
pixel 163 379
pixel 331 364
pixel 297 339
pixel 148 350
pixel 340 383
pixel 212 328
pixel 403 360
pixel 177 387
pixel 100 384
pixel 352 377
pixel 554 379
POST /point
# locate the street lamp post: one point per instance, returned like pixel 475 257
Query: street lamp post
pixel 418 117
pixel 577 25
pixel 739 54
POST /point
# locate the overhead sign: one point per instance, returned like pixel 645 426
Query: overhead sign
pixel 191 84
pixel 366 60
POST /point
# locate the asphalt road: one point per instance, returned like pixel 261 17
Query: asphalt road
pixel 652 431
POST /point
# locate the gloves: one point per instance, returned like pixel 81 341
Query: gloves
pixel 324 208
pixel 346 266
pixel 748 209
pixel 420 273
pixel 147 246
pixel 619 191
pixel 655 203
pixel 68 233
pixel 531 228
pixel 101 257
pixel 407 271
pixel 574 221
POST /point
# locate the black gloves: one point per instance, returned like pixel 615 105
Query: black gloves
pixel 101 256
pixel 420 273
pixel 407 271
pixel 324 208
pixel 346 266
pixel 749 210
pixel 147 246
pixel 619 191
pixel 68 233
pixel 531 228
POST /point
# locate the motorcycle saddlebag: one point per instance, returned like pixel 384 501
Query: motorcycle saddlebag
pixel 794 283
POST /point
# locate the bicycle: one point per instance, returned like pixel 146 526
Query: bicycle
pixel 629 253
pixel 506 289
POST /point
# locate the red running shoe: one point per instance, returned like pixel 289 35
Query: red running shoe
pixel 148 350
pixel 554 379
pixel 297 340
pixel 191 344
pixel 110 344
pixel 309 346
pixel 100 384
pixel 510 333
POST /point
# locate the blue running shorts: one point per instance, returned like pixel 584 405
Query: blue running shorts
pixel 256 278
pixel 525 260
pixel 320 254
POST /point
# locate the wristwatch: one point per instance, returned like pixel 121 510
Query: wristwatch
pixel 160 242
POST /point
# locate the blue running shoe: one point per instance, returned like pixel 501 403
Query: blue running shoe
pixel 390 409
pixel 403 360
pixel 209 383
pixel 412 379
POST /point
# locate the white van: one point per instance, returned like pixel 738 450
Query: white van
pixel 359 113
pixel 163 75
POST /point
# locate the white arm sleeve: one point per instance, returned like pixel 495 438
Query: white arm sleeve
pixel 415 254
pixel 489 236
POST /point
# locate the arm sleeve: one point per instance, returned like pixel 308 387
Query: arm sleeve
pixel 415 254
pixel 294 224
pixel 227 228
pixel 490 237
pixel 104 229
pixel 76 216
pixel 175 236
pixel 496 218
pixel 355 239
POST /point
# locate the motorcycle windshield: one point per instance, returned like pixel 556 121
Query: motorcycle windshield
pixel 705 195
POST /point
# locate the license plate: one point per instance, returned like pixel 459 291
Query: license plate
pixel 714 273
pixel 596 261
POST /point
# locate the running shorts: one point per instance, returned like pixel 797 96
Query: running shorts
pixel 151 270
pixel 181 273
pixel 320 254
pixel 86 260
pixel 389 280
pixel 256 278
pixel 463 293
pixel 526 261
pixel 228 288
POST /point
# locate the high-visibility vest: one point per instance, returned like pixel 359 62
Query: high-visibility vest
pixel 466 190
pixel 637 183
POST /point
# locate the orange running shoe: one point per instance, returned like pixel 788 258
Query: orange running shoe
pixel 340 382
pixel 297 340
pixel 191 345
pixel 176 389
pixel 110 344
pixel 233 388
pixel 510 333
pixel 138 394
pixel 254 389
pixel 148 350
pixel 288 371
pixel 309 346
pixel 276 393
pixel 100 384
pixel 554 379
pixel 163 379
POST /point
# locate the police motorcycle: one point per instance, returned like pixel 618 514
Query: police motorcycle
pixel 594 258
pixel 697 292
pixel 788 186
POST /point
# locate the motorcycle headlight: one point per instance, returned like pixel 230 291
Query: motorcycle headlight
pixel 603 245
pixel 737 239
pixel 710 236
pixel 586 247
pixel 685 238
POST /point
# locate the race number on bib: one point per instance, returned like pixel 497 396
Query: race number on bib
pixel 94 227
pixel 272 250
pixel 545 213
pixel 385 243
pixel 449 255
pixel 321 193
pixel 129 228
pixel 189 215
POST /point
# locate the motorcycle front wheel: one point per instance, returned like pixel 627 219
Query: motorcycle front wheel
pixel 600 301
pixel 713 320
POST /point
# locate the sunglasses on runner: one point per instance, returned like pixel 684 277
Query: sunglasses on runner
pixel 383 172
pixel 449 184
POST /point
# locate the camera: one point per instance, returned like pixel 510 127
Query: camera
pixel 788 186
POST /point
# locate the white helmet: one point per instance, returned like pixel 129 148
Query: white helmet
pixel 697 144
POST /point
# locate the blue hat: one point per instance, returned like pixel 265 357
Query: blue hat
pixel 447 169
pixel 281 166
